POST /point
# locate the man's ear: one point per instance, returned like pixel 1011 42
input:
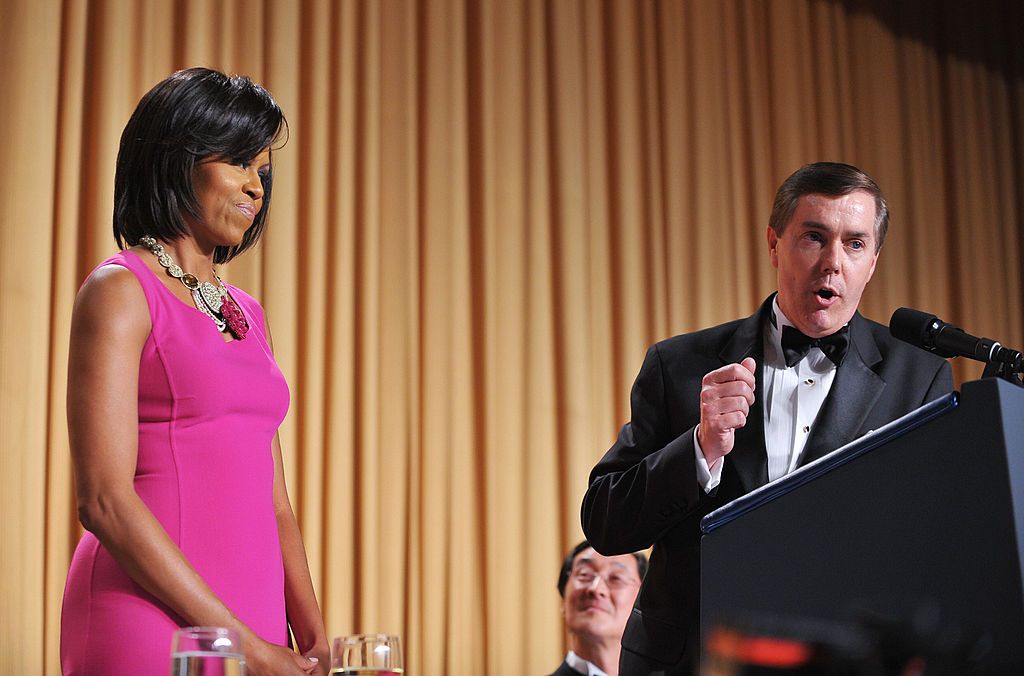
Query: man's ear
pixel 773 247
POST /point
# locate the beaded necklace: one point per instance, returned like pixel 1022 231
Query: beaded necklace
pixel 211 299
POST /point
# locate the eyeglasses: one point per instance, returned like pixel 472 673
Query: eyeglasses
pixel 614 580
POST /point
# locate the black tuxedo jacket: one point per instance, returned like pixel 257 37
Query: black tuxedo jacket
pixel 644 491
pixel 564 670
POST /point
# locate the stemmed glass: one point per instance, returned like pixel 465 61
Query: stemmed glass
pixel 367 655
pixel 206 651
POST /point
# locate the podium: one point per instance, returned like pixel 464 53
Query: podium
pixel 926 510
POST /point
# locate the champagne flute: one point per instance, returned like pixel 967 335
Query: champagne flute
pixel 367 655
pixel 206 651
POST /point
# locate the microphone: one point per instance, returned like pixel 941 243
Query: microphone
pixel 946 340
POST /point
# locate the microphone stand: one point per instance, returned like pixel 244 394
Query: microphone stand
pixel 1009 372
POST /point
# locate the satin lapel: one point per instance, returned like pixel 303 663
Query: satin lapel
pixel 853 395
pixel 749 456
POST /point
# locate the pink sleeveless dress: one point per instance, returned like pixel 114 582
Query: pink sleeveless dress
pixel 208 412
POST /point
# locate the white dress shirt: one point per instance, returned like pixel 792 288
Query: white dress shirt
pixel 792 400
pixel 582 666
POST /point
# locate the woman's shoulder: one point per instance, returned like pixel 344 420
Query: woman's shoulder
pixel 113 276
pixel 112 295
pixel 119 269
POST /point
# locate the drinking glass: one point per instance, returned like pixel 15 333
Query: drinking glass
pixel 206 651
pixel 367 655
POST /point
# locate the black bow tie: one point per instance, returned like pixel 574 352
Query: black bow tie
pixel 795 345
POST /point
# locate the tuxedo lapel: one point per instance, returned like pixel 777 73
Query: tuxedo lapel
pixel 749 457
pixel 853 395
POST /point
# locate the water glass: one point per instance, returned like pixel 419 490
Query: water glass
pixel 367 655
pixel 206 651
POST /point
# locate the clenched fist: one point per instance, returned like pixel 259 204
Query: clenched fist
pixel 726 395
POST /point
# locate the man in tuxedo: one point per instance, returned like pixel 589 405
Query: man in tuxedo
pixel 720 412
pixel 597 594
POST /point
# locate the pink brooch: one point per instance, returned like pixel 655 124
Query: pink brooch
pixel 234 318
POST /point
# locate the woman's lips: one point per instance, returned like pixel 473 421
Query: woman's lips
pixel 248 209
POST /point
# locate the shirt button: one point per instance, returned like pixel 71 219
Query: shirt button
pixel 807 428
pixel 809 381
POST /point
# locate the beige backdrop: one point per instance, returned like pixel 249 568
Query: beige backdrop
pixel 486 211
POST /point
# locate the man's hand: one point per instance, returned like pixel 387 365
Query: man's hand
pixel 726 395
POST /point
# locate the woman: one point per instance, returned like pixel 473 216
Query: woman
pixel 174 400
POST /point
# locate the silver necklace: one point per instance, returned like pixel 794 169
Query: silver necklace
pixel 209 298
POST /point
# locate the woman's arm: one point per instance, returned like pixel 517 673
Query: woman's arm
pixel 304 616
pixel 303 611
pixel 109 327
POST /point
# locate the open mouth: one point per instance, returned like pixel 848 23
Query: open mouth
pixel 826 294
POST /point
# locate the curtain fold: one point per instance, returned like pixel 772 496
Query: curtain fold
pixel 486 210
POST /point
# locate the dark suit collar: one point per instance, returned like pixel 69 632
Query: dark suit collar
pixel 854 392
pixel 749 457
pixel 564 670
pixel 746 340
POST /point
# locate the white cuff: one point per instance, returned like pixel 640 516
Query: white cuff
pixel 707 477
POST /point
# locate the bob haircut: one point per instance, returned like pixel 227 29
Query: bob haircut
pixel 192 115
pixel 833 179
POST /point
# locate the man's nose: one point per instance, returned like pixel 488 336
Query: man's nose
pixel 831 257
pixel 598 585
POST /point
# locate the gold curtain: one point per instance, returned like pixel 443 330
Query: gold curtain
pixel 485 212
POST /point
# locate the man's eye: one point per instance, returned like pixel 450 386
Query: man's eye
pixel 856 245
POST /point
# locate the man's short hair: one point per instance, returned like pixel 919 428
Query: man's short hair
pixel 833 179
pixel 563 577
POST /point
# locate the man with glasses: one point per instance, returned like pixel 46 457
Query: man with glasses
pixel 597 594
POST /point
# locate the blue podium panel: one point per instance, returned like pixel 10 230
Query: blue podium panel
pixel 925 512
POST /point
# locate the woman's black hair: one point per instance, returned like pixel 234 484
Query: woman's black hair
pixel 193 115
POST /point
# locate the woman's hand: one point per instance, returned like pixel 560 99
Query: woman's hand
pixel 322 653
pixel 266 659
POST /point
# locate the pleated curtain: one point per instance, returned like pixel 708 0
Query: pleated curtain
pixel 485 212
